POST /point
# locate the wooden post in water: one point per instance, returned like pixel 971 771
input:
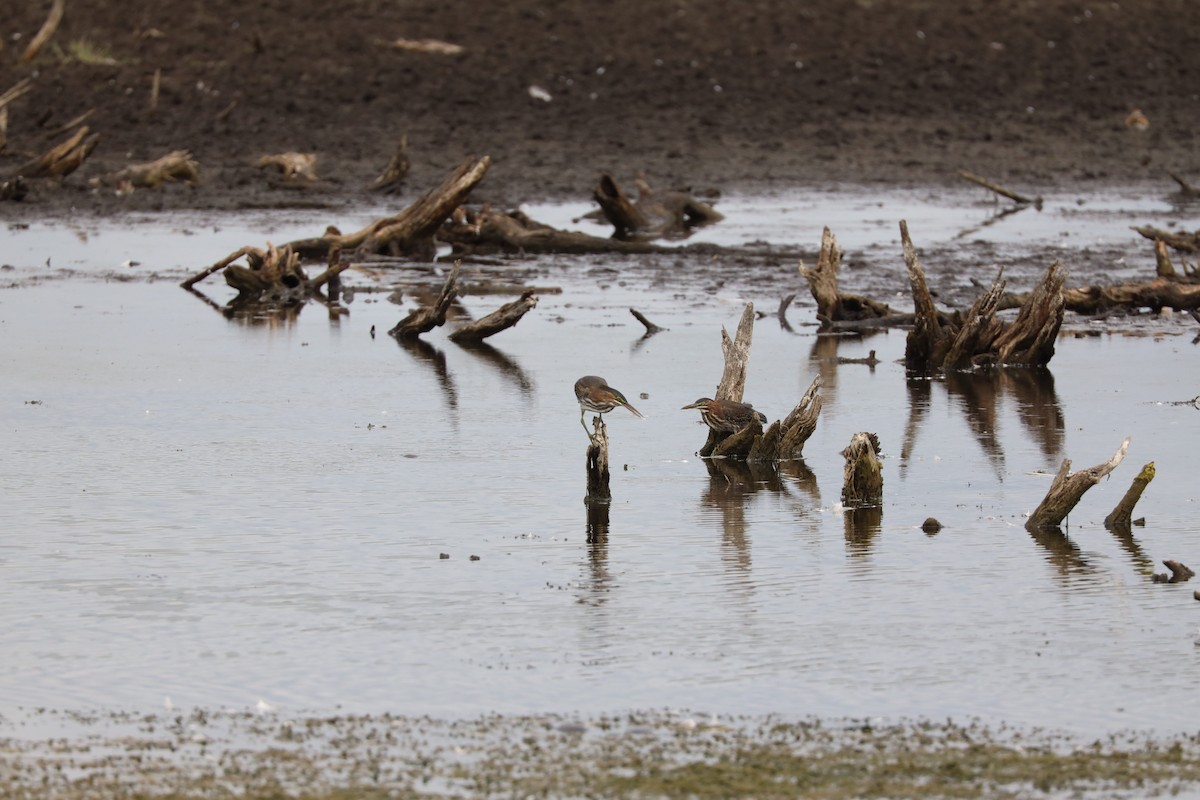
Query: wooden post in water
pixel 1067 490
pixel 1122 516
pixel 597 464
pixel 862 484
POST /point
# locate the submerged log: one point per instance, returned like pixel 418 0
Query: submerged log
pixel 655 214
pixel 862 478
pixel 62 159
pixel 176 166
pixel 832 305
pixel 1000 190
pixel 1067 490
pixel 502 318
pixel 1121 517
pixel 426 318
pixel 488 231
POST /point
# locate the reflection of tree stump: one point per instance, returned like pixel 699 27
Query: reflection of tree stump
pixel 1067 490
pixel 862 483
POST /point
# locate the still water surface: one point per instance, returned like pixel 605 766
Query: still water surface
pixel 218 513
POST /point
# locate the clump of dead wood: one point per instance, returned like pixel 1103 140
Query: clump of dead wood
pixel 426 318
pixel 178 166
pixel 653 214
pixel 782 439
pixel 62 159
pixel 270 276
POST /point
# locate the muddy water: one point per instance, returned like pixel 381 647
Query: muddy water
pixel 220 511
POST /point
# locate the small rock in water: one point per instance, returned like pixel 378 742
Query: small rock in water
pixel 931 525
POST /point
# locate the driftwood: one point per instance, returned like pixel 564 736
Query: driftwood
pixel 45 32
pixel 1067 490
pixel 393 175
pixel 936 343
pixel 781 440
pixel 832 305
pixel 502 318
pixel 270 277
pixel 426 318
pixel 1183 242
pixel 1122 516
pixel 292 167
pixel 1180 573
pixel 862 478
pixel 62 159
pixel 655 214
pixel 409 233
pixel 651 328
pixel 1000 190
pixel 176 166
pixel 488 231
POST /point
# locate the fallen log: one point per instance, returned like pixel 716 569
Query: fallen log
pixel 862 476
pixel 1121 517
pixel 1067 490
pixel 502 318
pixel 1183 242
pixel 1155 295
pixel 409 233
pixel 63 159
pixel 487 231
pixel 426 318
pixel 176 166
pixel 832 305
pixel 655 214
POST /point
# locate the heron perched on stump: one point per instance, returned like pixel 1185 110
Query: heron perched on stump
pixel 595 395
pixel 726 416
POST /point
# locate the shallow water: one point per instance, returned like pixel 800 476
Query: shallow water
pixel 218 511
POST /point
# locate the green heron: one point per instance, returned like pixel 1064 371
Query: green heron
pixel 726 416
pixel 595 395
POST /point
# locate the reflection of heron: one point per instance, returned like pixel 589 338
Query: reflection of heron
pixel 595 395
pixel 726 416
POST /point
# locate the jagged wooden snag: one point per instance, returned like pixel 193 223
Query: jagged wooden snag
pixel 1121 517
pixel 1067 490
pixel 655 213
pixel 832 305
pixel 598 475
pixel 273 276
pixel 426 318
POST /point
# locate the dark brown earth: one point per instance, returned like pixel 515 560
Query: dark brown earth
pixel 743 96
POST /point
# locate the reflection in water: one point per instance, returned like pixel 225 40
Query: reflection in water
pixel 599 581
pixel 503 363
pixel 1062 553
pixel 861 526
pixel 425 352
pixel 978 395
pixel 1142 562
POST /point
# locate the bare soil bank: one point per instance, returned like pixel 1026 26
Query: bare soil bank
pixel 750 96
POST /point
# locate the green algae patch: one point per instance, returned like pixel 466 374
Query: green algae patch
pixel 643 755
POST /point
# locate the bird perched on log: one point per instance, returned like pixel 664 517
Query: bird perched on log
pixel 595 395
pixel 726 416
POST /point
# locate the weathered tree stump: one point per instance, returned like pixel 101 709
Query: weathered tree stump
pixel 176 166
pixel 655 214
pixel 502 318
pixel 832 305
pixel 937 343
pixel 409 233
pixel 1067 490
pixel 44 33
pixel 1121 517
pixel 426 318
pixel 862 478
pixel 597 464
pixel 272 277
